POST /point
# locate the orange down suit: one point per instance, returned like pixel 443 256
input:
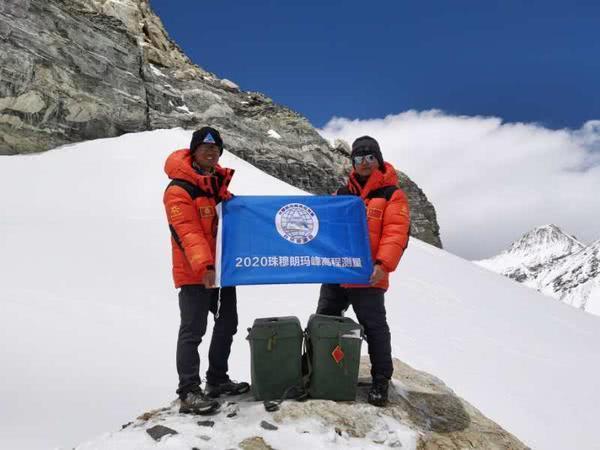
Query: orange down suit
pixel 193 221
pixel 388 218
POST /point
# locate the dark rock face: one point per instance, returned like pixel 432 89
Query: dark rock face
pixel 423 220
pixel 66 76
pixel 74 70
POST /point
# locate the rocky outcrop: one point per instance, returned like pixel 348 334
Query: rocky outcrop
pixel 75 70
pixel 423 219
pixel 422 413
pixel 67 75
pixel 418 401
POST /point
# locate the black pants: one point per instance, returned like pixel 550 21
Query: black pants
pixel 368 305
pixel 195 302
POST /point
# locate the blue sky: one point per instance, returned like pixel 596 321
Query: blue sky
pixel 531 61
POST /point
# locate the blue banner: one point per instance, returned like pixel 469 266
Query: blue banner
pixel 293 239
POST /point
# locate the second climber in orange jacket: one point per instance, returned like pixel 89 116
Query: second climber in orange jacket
pixel 388 220
pixel 198 184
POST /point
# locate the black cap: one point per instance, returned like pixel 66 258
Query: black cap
pixel 366 145
pixel 206 135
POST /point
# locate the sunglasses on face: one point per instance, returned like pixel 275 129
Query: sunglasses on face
pixel 360 158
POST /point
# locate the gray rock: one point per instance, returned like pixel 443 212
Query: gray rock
pixel 268 426
pixel 255 443
pixel 67 75
pixel 74 70
pixel 157 432
pixel 206 423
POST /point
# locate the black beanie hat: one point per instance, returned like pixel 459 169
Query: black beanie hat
pixel 206 135
pixel 366 145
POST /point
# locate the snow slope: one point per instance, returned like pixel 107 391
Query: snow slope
pixel 88 314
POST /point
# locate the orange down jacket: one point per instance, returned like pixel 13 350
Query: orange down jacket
pixel 388 218
pixel 192 217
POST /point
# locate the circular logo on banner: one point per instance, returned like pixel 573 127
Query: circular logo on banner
pixel 297 223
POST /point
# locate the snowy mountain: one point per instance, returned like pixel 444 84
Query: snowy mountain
pixel 577 281
pixel 89 315
pixel 555 263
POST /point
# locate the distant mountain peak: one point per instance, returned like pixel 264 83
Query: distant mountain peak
pixel 553 262
pixel 551 238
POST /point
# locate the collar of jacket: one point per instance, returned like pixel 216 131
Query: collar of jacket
pixel 377 180
pixel 179 166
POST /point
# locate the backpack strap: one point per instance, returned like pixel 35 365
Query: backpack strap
pixel 384 192
pixel 193 191
pixel 344 191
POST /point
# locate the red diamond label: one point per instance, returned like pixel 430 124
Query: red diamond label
pixel 337 354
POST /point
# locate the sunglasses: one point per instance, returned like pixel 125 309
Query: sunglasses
pixel 360 158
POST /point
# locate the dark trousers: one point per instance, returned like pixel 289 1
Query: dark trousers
pixel 195 302
pixel 369 307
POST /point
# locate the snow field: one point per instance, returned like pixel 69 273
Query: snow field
pixel 89 317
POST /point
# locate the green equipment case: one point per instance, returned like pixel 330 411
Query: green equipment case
pixel 276 357
pixel 333 345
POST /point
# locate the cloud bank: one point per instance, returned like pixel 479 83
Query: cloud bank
pixel 490 181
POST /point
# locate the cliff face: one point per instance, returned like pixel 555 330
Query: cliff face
pixel 75 70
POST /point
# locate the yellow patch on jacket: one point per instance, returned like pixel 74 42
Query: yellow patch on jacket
pixel 175 211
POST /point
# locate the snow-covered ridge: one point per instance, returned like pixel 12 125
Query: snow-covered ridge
pixel 555 263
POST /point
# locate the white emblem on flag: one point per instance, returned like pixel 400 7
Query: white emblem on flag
pixel 297 223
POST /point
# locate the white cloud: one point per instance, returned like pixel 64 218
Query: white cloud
pixel 489 181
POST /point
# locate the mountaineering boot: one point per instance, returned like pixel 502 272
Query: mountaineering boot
pixel 228 387
pixel 196 402
pixel 378 394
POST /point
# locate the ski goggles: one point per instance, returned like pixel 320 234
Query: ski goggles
pixel 360 158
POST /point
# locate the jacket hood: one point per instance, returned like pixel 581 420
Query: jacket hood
pixel 179 166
